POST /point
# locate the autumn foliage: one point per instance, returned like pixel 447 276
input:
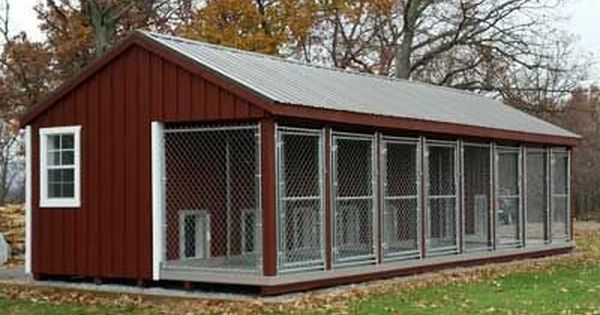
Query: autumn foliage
pixel 245 25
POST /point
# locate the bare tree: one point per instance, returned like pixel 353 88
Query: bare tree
pixel 507 48
pixel 17 84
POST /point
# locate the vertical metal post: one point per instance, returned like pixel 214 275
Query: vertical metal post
pixel 460 224
pixel 382 160
pixel 322 181
pixel 334 193
pixel 425 200
pixel 258 217
pixel 525 193
pixel 419 174
pixel 568 201
pixel 552 161
pixel 228 194
pixel 548 187
pixel 520 187
pixel 493 192
pixel 376 235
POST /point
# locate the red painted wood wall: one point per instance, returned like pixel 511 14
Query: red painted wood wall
pixel 110 235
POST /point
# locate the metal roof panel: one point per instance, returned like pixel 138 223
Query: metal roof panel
pixel 291 82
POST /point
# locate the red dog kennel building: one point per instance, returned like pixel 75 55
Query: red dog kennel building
pixel 169 159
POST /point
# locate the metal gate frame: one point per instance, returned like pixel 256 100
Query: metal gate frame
pixel 164 130
pixel 282 265
pixel 417 253
pixel 508 150
pixel 363 259
pixel 546 154
pixel 448 250
pixel 553 152
pixel 490 201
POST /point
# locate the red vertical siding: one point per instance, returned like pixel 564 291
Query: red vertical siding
pixel 110 235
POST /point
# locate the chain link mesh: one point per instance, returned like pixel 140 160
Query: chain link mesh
pixel 212 188
pixel 477 186
pixel 441 198
pixel 300 190
pixel 537 196
pixel 353 199
pixel 508 221
pixel 401 199
pixel 560 195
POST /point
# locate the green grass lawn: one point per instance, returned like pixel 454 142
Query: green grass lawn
pixel 17 307
pixel 566 286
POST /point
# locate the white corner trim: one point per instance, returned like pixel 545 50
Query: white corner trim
pixel 46 202
pixel 157 158
pixel 28 202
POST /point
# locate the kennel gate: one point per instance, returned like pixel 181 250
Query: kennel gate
pixel 212 212
pixel 401 184
pixel 442 220
pixel 300 191
pixel 508 196
pixel 354 201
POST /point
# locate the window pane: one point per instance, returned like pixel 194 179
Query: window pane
pixel 54 190
pixel 53 142
pixel 68 190
pixel 54 176
pixel 68 175
pixel 68 141
pixel 54 158
pixel 68 158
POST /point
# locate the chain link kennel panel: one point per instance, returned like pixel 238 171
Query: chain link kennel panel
pixel 508 197
pixel 477 196
pixel 353 175
pixel 401 203
pixel 536 210
pixel 212 202
pixel 442 211
pixel 560 195
pixel 300 199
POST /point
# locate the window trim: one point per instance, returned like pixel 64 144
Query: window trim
pixel 45 201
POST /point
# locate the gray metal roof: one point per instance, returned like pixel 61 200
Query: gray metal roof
pixel 296 83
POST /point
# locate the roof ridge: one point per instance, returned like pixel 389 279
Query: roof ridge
pixel 311 65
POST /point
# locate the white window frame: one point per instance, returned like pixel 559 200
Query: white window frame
pixel 45 201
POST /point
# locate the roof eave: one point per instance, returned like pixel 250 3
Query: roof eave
pixel 413 124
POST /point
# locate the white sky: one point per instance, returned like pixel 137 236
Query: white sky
pixel 583 21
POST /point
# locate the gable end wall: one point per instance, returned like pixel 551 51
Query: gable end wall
pixel 110 235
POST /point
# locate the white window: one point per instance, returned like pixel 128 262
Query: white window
pixel 59 167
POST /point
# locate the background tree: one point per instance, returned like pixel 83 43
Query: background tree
pixel 257 25
pixel 505 48
pixel 78 31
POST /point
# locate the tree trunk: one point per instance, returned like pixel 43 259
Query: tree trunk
pixel 104 23
pixel 412 12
